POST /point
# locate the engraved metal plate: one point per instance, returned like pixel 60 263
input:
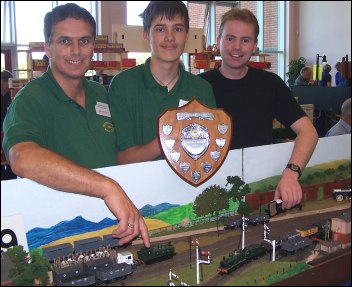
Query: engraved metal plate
pixel 167 129
pixel 184 166
pixel 206 166
pixel 195 140
pixel 196 175
pixel 220 142
pixel 222 128
pixel 215 155
pixel 175 156
pixel 170 143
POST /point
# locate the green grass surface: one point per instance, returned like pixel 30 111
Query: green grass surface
pixel 265 273
pixel 185 273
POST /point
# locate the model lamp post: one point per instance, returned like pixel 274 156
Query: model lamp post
pixel 317 66
pixel 173 276
pixel 244 219
pixel 199 261
pixel 272 242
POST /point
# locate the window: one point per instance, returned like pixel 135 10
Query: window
pixel 270 15
pixel 134 9
pixel 20 26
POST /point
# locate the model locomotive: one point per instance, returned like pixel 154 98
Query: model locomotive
pixel 240 257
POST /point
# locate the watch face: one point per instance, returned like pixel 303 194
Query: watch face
pixel 294 167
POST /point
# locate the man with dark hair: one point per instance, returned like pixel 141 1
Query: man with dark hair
pixel 5 93
pixel 138 96
pixel 6 172
pixel 59 125
pixel 255 97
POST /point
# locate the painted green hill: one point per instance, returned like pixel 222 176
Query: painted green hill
pixel 320 173
pixel 177 214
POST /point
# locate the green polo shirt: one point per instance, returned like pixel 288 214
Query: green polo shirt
pixel 42 113
pixel 137 101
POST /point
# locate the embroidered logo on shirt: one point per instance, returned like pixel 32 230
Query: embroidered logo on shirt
pixel 109 127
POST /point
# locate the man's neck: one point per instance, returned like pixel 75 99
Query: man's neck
pixel 233 73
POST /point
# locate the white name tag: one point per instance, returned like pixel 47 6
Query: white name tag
pixel 102 109
pixel 181 103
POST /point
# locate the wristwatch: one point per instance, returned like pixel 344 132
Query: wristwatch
pixel 295 168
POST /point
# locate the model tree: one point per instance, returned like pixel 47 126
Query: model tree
pixel 237 193
pixel 212 200
pixel 20 272
pixel 40 267
pixel 26 269
pixel 18 256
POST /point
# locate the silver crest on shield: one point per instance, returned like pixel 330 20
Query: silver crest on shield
pixel 169 143
pixel 167 129
pixel 222 128
pixel 175 156
pixel 206 166
pixel 215 155
pixel 195 140
pixel 184 166
pixel 220 142
pixel 195 175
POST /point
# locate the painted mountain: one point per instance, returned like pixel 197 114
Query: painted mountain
pixel 40 236
pixel 148 210
pixel 78 225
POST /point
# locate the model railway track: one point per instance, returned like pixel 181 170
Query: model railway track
pixel 223 245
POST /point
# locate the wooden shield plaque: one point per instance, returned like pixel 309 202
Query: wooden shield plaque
pixel 195 140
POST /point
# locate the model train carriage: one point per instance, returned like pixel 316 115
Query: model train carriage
pixel 307 231
pixel 237 259
pixel 275 207
pixel 74 275
pixel 156 253
pixel 233 223
pixel 254 251
pixel 105 269
pixel 255 219
pixel 295 244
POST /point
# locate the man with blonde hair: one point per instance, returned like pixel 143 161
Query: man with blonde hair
pixel 254 97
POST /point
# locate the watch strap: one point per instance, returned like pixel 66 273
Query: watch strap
pixel 295 168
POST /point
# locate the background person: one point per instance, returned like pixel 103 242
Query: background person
pixel 338 76
pixel 326 77
pixel 304 78
pixel 5 93
pixel 343 126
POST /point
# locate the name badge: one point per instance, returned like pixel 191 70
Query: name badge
pixel 181 103
pixel 102 109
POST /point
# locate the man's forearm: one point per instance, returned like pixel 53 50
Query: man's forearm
pixel 48 168
pixel 147 152
pixel 305 143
